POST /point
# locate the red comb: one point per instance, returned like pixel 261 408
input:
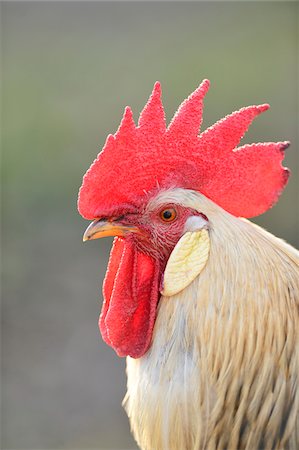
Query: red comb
pixel 245 181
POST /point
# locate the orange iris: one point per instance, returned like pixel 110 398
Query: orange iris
pixel 168 215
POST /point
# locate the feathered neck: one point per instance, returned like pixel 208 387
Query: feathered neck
pixel 218 345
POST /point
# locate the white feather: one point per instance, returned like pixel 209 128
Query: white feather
pixel 222 371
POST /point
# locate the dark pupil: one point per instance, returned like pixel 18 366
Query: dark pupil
pixel 167 214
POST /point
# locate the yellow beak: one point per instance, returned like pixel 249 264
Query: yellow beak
pixel 103 228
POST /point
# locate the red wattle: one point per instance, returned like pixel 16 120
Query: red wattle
pixel 131 294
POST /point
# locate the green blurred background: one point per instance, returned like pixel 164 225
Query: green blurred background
pixel 68 71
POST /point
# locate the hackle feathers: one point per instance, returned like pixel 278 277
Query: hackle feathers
pixel 222 371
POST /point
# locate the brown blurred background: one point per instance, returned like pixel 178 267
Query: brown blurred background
pixel 68 71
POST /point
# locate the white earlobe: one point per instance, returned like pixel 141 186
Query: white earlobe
pixel 187 259
pixel 195 223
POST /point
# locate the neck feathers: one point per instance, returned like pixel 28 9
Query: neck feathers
pixel 223 364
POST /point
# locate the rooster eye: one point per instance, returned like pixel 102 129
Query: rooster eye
pixel 168 215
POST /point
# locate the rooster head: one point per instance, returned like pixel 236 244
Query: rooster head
pixel 132 191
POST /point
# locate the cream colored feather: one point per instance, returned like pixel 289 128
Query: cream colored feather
pixel 186 262
pixel 223 368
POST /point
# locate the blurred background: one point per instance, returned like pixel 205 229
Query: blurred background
pixel 69 69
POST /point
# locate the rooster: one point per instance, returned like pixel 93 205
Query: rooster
pixel 202 302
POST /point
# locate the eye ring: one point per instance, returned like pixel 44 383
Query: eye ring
pixel 168 215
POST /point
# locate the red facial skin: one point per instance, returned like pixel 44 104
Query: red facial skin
pixel 158 237
pixel 134 274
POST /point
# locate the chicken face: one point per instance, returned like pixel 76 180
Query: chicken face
pixel 136 270
pixel 155 230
